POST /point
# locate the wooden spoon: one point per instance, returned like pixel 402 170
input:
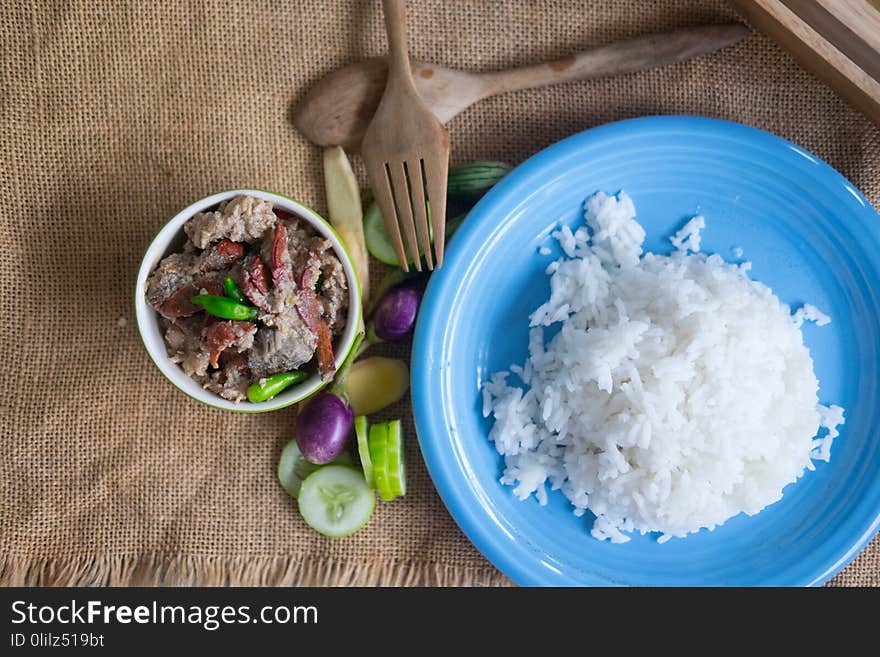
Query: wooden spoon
pixel 338 109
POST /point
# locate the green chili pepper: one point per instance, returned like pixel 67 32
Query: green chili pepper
pixel 224 307
pixel 233 291
pixel 266 388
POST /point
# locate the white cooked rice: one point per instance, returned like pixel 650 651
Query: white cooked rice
pixel 677 393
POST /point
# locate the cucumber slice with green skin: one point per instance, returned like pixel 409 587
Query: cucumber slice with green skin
pixel 362 431
pixel 293 467
pixel 335 501
pixel 396 459
pixel 378 242
pixel 378 442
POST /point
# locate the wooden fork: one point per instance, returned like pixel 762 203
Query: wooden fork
pixel 406 151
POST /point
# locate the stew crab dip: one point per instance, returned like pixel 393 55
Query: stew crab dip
pixel 254 292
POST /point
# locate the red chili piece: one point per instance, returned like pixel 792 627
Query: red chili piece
pixel 222 255
pixel 178 304
pixel 326 361
pixel 309 308
pixel 220 336
pixel 253 282
pixel 280 273
pixel 311 272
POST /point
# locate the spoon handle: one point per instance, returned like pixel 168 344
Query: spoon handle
pixel 624 57
pixel 395 26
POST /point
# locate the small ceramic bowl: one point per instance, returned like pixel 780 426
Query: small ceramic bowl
pixel 171 238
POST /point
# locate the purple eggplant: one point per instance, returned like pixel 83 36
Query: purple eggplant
pixel 325 421
pixel 395 315
pixel 323 427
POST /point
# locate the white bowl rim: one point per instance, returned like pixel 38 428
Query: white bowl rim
pixel 147 317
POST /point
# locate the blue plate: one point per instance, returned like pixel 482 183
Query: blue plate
pixel 811 236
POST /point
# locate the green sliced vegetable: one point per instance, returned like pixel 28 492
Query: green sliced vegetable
pixel 266 388
pixel 293 467
pixel 234 292
pixel 474 179
pixel 362 431
pixel 224 307
pixel 378 242
pixel 396 459
pixel 345 210
pixel 378 443
pixel 336 501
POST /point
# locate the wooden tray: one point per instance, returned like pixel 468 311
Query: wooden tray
pixel 838 40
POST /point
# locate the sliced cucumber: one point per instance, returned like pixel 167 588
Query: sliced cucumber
pixel 378 442
pixel 388 459
pixel 396 459
pixel 362 430
pixel 376 237
pixel 293 467
pixel 378 242
pixel 336 501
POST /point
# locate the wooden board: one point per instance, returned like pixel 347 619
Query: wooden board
pixel 838 40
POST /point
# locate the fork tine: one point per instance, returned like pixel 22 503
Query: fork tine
pixel 435 171
pixel 417 191
pixel 400 188
pixel 381 184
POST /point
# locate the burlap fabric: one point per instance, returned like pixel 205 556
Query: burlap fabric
pixel 115 115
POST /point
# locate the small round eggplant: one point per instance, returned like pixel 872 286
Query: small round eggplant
pixel 395 316
pixel 323 427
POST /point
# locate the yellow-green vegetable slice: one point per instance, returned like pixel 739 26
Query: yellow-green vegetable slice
pixel 345 210
pixel 375 383
pixel 335 501
pixel 362 431
pixel 378 443
pixel 396 458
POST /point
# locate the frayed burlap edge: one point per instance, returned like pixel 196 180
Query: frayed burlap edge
pixel 159 570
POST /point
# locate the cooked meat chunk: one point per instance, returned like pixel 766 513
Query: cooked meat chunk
pixel 179 304
pixel 231 381
pixel 326 275
pixel 284 347
pixel 311 311
pixel 221 255
pixel 220 336
pixel 243 219
pixel 197 345
pixel 183 338
pixel 304 246
pixel 175 281
pixel 333 291
pixel 173 272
